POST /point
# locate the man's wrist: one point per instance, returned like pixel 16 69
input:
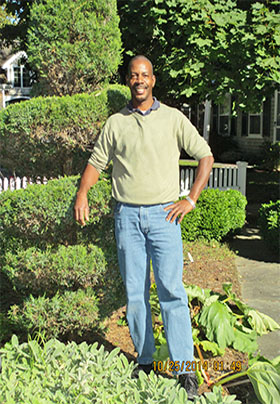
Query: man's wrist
pixel 191 201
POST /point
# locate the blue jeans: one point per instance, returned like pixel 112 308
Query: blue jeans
pixel 142 233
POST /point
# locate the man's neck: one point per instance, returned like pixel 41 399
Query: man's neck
pixel 143 106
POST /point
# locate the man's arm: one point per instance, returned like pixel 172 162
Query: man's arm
pixel 183 206
pixel 89 178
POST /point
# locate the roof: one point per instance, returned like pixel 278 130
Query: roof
pixel 13 58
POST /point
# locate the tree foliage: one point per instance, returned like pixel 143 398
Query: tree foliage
pixel 206 48
pixel 18 12
pixel 74 45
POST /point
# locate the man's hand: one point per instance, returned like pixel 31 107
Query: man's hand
pixel 89 178
pixel 181 207
pixel 81 209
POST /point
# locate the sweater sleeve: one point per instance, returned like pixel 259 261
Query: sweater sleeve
pixel 191 141
pixel 103 149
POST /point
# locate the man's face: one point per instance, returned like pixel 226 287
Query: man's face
pixel 141 81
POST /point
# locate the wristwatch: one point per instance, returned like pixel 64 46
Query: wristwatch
pixel 191 201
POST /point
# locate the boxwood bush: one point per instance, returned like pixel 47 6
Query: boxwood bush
pixel 45 272
pixel 67 314
pixel 43 251
pixel 52 136
pixel 218 213
pixel 269 220
pixel 42 215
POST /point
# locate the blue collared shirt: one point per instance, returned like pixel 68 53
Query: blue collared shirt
pixel 155 106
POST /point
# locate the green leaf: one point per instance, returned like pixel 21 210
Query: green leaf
pixel 194 291
pixel 212 347
pixel 242 306
pixel 262 323
pixel 245 342
pixel 218 322
pixel 162 353
pixel 266 382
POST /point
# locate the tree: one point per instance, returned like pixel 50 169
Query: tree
pixel 18 12
pixel 74 46
pixel 207 48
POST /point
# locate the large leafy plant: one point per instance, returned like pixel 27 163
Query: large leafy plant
pixel 220 321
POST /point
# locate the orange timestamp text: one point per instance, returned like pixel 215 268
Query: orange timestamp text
pixel 193 366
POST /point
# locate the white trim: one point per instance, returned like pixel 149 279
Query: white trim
pixel 259 114
pixel 18 97
pixel 14 59
pixel 228 115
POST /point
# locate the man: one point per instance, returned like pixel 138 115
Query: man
pixel 144 141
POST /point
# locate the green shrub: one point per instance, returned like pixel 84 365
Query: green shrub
pixel 217 214
pixel 269 220
pixel 73 267
pixel 70 313
pixel 42 215
pixel 84 374
pixel 54 136
pixel 271 156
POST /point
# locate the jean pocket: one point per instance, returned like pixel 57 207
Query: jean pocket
pixel 118 208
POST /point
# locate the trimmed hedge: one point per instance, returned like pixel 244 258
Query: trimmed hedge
pixel 218 214
pixel 42 215
pixel 269 220
pixel 73 267
pixel 54 136
pixel 43 252
pixel 69 314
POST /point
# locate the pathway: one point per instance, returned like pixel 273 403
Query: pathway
pixel 259 274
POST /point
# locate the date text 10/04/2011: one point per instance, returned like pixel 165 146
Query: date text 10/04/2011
pixel 192 366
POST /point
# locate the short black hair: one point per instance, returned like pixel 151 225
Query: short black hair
pixel 136 58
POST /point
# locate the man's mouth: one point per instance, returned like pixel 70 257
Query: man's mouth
pixel 140 90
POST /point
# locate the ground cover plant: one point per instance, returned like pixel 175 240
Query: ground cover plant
pixel 83 374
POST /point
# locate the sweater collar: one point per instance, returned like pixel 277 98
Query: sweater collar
pixel 154 107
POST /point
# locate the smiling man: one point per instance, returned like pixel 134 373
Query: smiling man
pixel 144 141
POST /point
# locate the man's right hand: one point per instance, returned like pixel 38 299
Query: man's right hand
pixel 81 209
pixel 89 178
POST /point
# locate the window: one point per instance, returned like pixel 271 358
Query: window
pixel 21 76
pixel 255 124
pixel 17 80
pixel 25 77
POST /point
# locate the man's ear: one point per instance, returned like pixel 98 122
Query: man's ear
pixel 154 80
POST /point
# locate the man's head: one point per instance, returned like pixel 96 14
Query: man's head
pixel 141 80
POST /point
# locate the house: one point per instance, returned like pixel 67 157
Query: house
pixel 15 77
pixel 249 130
pixel 239 136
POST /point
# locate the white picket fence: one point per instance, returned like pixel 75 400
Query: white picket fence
pixel 223 177
pixel 14 183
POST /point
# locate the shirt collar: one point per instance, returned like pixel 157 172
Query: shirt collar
pixel 154 107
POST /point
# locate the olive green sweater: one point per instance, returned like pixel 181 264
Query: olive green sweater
pixel 145 151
